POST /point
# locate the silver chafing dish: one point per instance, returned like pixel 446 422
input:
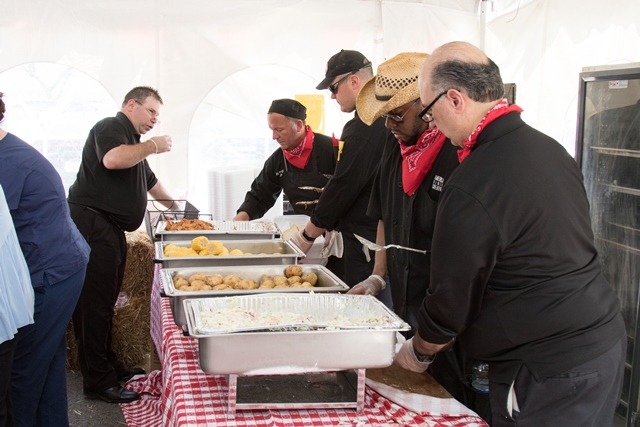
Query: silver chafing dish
pixel 222 230
pixel 294 348
pixel 264 252
pixel 327 282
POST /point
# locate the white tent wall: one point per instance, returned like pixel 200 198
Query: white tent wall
pixel 186 49
pixel 542 46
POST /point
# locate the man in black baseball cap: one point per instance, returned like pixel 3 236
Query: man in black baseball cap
pixel 342 207
pixel 345 61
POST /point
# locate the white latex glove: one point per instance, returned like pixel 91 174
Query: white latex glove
pixel 180 203
pixel 301 242
pixel 406 358
pixel 372 285
pixel 333 244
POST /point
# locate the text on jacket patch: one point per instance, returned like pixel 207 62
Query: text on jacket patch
pixel 438 182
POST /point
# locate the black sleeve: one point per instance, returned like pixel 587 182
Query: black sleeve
pixel 357 165
pixel 265 189
pixel 468 244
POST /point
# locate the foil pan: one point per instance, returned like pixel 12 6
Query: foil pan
pixel 278 312
pixel 327 282
pixel 298 351
pixel 222 230
pixel 264 252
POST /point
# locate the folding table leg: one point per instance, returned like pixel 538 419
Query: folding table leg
pixel 361 389
pixel 232 382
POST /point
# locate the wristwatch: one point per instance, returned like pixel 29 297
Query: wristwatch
pixel 306 236
pixel 423 358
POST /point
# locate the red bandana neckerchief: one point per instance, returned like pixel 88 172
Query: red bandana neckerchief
pixel 500 109
pixel 418 159
pixel 299 156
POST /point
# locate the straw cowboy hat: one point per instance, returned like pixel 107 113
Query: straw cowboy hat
pixel 395 85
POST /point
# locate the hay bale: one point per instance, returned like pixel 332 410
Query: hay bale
pixel 130 334
pixel 138 276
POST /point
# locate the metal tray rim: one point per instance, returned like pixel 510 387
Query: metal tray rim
pixel 192 316
pixel 269 228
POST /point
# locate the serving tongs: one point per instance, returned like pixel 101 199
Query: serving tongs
pixel 377 247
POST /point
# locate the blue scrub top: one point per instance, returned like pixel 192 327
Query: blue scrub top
pixel 50 240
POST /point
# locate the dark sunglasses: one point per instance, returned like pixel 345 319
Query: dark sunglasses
pixel 396 118
pixel 333 88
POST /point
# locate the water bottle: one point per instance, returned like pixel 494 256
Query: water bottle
pixel 480 377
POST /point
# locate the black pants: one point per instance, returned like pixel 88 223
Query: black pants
pixel 92 318
pixel 6 361
pixel 585 396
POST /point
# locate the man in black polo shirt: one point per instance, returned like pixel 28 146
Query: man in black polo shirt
pixel 108 198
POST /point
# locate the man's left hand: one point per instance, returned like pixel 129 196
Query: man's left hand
pixel 406 358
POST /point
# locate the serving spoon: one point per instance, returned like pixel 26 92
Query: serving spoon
pixel 377 247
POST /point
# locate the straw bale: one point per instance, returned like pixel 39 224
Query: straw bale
pixel 138 276
pixel 130 333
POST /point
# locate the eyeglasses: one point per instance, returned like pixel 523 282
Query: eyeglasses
pixel 333 88
pixel 153 113
pixel 399 119
pixel 425 114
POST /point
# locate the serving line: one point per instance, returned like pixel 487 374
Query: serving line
pixel 183 395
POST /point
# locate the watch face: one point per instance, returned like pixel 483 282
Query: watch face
pixel 424 358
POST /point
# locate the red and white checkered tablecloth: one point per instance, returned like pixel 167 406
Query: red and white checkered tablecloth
pixel 181 394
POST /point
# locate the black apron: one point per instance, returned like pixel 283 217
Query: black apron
pixel 302 201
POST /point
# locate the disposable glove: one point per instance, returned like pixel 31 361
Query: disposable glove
pixel 372 285
pixel 333 244
pixel 301 242
pixel 406 358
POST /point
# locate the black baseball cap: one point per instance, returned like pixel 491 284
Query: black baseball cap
pixel 345 61
pixel 289 108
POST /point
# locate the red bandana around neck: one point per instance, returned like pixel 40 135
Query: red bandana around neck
pixel 418 159
pixel 500 109
pixel 299 156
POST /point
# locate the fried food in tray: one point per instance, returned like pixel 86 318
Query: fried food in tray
pixel 202 246
pixel 215 282
pixel 188 224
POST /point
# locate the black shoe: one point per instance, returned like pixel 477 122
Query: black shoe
pixel 117 394
pixel 126 374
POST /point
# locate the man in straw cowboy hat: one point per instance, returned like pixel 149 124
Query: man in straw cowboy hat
pixel 415 164
pixel 343 203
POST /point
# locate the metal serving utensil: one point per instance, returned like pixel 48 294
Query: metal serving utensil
pixel 377 247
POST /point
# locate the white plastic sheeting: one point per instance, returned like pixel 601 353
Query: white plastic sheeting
pixel 219 63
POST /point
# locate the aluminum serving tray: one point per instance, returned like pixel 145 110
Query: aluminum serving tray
pixel 288 254
pixel 327 282
pixel 296 351
pixel 223 230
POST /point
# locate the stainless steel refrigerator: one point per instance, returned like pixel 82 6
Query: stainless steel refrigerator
pixel 608 151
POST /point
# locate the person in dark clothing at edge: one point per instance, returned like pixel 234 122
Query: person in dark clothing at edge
pixel 108 198
pixel 515 276
pixel 343 203
pixel 301 167
pixel 416 163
